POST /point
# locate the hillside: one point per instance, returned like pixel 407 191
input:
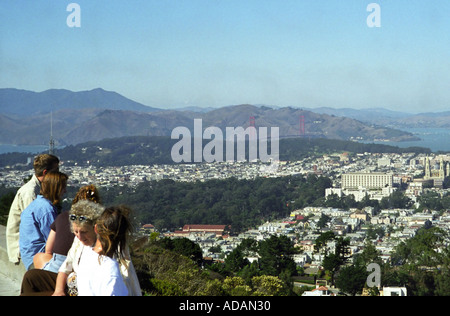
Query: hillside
pixel 434 120
pixel 390 118
pixel 148 150
pixel 94 115
pixel 29 103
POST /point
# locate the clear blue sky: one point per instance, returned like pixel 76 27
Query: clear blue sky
pixel 172 53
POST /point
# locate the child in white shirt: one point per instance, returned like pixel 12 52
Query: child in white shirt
pixel 98 274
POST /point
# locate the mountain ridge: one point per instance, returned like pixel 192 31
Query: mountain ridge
pixel 98 114
pixel 26 103
pixel 394 119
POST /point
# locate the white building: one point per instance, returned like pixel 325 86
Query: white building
pixel 394 291
pixel 366 180
pixel 318 291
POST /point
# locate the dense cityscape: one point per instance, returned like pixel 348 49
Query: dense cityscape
pixel 374 176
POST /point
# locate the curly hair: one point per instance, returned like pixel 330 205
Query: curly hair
pixel 90 210
pixel 88 192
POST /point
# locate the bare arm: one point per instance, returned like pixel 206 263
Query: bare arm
pixel 61 282
pixel 50 242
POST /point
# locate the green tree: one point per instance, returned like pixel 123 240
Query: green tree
pixel 324 219
pixel 267 285
pixel 396 200
pixel 369 255
pixel 351 279
pixel 443 281
pixel 236 286
pixel 422 249
pixel 322 240
pixel 235 261
pixel 250 271
pixel 431 200
pixel 333 262
pixel 375 232
pixel 422 264
pixel 275 256
pixel 342 249
pixel 183 246
pixel 5 205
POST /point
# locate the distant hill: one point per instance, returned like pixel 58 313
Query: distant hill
pixel 288 120
pixel 390 118
pixel 433 120
pixel 111 123
pixel 148 150
pixel 98 114
pixel 29 103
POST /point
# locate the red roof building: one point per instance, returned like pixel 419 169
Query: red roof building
pixel 202 229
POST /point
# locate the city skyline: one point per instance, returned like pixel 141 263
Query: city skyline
pixel 170 54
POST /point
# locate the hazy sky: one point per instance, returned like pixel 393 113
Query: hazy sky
pixel 172 53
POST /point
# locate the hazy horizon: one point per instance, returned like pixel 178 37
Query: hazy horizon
pixel 211 53
pixel 274 106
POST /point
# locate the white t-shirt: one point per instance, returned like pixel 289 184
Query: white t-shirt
pixel 99 276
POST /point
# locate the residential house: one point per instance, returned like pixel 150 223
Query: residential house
pixel 318 291
pixel 147 229
pixel 394 291
pixel 218 230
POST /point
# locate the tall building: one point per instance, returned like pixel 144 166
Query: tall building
pixel 427 168
pixel 441 169
pixel 436 174
pixel 51 144
pixel 366 180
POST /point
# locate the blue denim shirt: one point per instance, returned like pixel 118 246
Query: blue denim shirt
pixel 34 228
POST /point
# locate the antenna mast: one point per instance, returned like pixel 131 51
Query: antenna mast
pixel 51 149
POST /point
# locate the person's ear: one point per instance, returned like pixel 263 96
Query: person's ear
pixel 95 229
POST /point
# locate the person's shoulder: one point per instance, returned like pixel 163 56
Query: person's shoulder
pixel 34 205
pixel 63 218
pixel 41 200
pixel 32 183
pixel 32 187
pixel 111 265
pixel 41 205
pixel 109 261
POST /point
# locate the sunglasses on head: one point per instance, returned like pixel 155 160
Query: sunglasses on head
pixel 80 218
